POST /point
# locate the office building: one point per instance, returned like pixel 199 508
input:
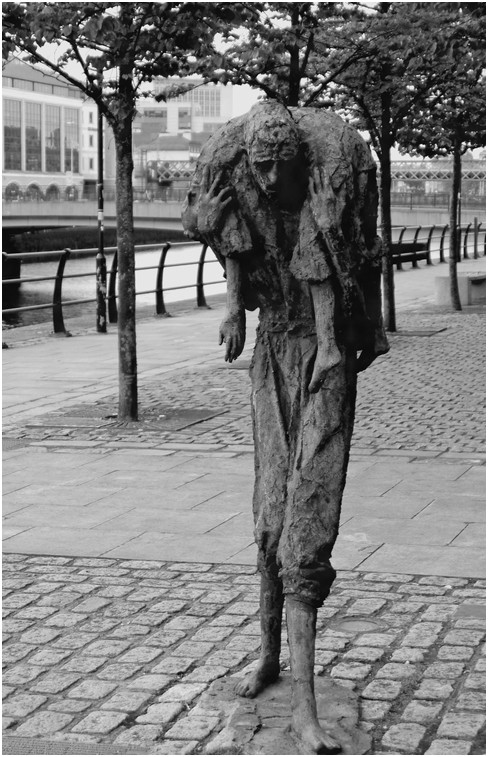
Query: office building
pixel 50 135
pixel 45 122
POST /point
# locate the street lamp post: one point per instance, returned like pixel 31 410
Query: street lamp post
pixel 101 263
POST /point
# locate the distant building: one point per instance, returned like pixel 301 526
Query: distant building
pixel 168 135
pixel 203 108
pixel 44 127
pixel 50 136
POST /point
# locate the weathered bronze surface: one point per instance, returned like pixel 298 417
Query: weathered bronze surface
pixel 287 200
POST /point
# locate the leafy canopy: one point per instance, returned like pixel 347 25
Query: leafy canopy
pixel 110 50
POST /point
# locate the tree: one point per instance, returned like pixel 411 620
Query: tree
pixel 453 120
pixel 283 48
pixel 405 52
pixel 110 51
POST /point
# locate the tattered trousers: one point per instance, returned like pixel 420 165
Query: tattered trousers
pixel 302 445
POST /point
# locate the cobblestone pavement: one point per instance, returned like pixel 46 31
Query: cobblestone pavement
pixel 426 395
pixel 113 651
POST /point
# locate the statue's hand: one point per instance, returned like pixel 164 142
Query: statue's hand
pixel 232 331
pixel 212 206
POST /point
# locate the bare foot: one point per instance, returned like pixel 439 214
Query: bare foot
pixel 266 672
pixel 312 737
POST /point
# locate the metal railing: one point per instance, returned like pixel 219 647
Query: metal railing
pixel 58 304
pixel 471 245
pixel 471 239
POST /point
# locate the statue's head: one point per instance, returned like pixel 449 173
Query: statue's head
pixel 273 146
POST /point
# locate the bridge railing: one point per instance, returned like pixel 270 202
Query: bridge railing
pixel 440 200
pixel 199 262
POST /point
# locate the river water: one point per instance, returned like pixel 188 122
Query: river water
pixel 175 275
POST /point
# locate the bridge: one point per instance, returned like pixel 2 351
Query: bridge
pixel 166 216
pixel 416 199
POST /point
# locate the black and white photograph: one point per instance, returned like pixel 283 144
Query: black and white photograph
pixel 244 403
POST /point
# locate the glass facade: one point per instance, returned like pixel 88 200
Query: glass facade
pixel 33 137
pixel 207 99
pixel 33 144
pixel 53 138
pixel 71 140
pixel 12 135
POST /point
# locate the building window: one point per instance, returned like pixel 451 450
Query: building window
pixel 184 118
pixel 71 140
pixel 33 148
pixel 12 139
pixel 40 87
pixel 90 164
pixel 23 84
pixel 53 138
pixel 206 98
pixel 90 140
pixel 90 117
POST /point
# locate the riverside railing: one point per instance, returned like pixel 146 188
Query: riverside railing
pixel 472 244
pixel 471 239
pixel 57 304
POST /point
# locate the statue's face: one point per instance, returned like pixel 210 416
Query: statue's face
pixel 278 175
pixel 269 173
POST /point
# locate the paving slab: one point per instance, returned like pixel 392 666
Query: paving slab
pixel 428 560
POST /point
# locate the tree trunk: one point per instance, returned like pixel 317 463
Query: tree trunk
pixel 294 72
pixel 454 230
pixel 388 278
pixel 126 264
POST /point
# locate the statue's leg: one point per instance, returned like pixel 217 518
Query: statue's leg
pixel 301 621
pixel 271 468
pixel 268 666
pixel 322 433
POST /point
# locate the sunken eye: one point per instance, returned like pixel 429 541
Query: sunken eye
pixel 265 165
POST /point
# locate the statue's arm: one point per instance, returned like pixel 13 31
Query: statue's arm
pixel 233 328
pixel 328 354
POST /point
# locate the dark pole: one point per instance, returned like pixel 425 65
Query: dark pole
pixel 101 274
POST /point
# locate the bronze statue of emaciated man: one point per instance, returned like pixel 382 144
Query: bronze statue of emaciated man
pixel 287 200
